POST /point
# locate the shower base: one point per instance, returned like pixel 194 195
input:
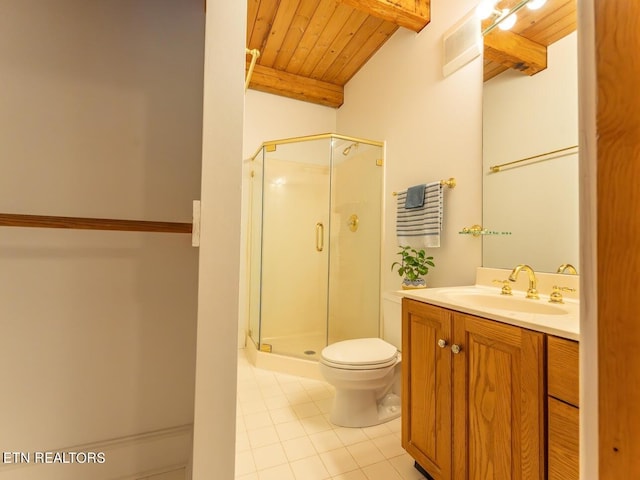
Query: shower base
pixel 288 355
pixel 307 346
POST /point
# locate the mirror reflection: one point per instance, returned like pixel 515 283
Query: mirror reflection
pixel 530 132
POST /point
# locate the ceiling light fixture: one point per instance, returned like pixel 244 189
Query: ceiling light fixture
pixel 504 18
pixel 485 9
pixel 508 20
pixel 535 4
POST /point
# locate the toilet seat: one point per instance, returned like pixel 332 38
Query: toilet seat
pixel 360 354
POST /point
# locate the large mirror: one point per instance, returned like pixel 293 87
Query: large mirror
pixel 532 205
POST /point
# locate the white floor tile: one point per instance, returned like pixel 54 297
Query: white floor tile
pixel 325 404
pixel 254 406
pixel 269 456
pixel 296 398
pixel 293 387
pixel 257 420
pixel 244 463
pixel 304 410
pixel 381 471
pixel 242 442
pixel 251 476
pixel 315 424
pixel 338 461
pixel 377 431
pixel 281 472
pixel 249 394
pixel 349 436
pixel 278 401
pixel 325 441
pixel 355 475
pixel 271 391
pixel 395 425
pixel 389 445
pixel 298 448
pixel 282 415
pixel 240 425
pixel 404 465
pixel 365 453
pixel 289 430
pixel 310 468
pixel 319 392
pixel 261 437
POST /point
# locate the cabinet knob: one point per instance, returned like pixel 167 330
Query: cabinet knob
pixel 442 343
pixel 456 348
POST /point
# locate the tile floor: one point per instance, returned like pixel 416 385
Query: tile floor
pixel 283 433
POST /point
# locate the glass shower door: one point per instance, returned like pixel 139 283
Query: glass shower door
pixel 295 248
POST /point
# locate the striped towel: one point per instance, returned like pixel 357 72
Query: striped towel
pixel 421 225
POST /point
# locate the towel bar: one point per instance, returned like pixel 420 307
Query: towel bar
pixel 451 183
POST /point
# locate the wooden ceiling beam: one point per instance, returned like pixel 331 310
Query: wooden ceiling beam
pixel 514 51
pixel 269 80
pixel 411 14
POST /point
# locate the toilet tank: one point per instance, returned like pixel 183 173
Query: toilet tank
pixel 392 318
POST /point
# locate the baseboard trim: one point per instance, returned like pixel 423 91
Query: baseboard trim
pixel 129 457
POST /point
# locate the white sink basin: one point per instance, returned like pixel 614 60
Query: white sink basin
pixel 508 303
pixel 562 319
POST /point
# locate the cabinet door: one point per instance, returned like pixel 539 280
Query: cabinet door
pixel 498 396
pixel 564 448
pixel 426 387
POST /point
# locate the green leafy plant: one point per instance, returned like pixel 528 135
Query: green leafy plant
pixel 415 263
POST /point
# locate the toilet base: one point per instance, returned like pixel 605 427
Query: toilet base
pixel 360 408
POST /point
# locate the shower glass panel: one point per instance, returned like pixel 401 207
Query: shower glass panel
pixel 254 235
pixel 314 241
pixel 356 238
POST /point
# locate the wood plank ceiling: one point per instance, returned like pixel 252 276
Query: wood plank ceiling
pixel 309 49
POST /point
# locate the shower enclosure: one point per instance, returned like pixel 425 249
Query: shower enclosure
pixel 315 229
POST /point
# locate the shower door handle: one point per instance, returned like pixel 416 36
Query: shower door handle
pixel 319 236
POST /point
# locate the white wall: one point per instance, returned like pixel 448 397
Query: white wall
pixel 271 117
pixel 432 126
pixel 101 117
pixel 219 262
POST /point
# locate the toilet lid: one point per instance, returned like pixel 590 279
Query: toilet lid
pixel 360 351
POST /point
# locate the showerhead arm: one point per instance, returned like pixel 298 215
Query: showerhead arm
pixel 346 151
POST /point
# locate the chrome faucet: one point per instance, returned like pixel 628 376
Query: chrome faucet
pixel 567 267
pixel 532 292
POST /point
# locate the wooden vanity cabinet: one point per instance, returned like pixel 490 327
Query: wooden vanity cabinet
pixel 477 413
pixel 563 422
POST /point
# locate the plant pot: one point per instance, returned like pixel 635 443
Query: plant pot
pixel 413 284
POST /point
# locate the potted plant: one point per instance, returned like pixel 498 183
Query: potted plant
pixel 415 264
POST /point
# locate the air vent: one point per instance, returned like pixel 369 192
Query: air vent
pixel 462 43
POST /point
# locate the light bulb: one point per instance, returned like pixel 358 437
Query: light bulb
pixel 485 8
pixel 508 22
pixel 535 4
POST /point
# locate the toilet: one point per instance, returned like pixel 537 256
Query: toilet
pixel 366 373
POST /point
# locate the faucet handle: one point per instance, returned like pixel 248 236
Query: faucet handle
pixel 556 296
pixel 506 288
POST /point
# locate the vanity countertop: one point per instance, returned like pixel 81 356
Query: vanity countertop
pixel 562 320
